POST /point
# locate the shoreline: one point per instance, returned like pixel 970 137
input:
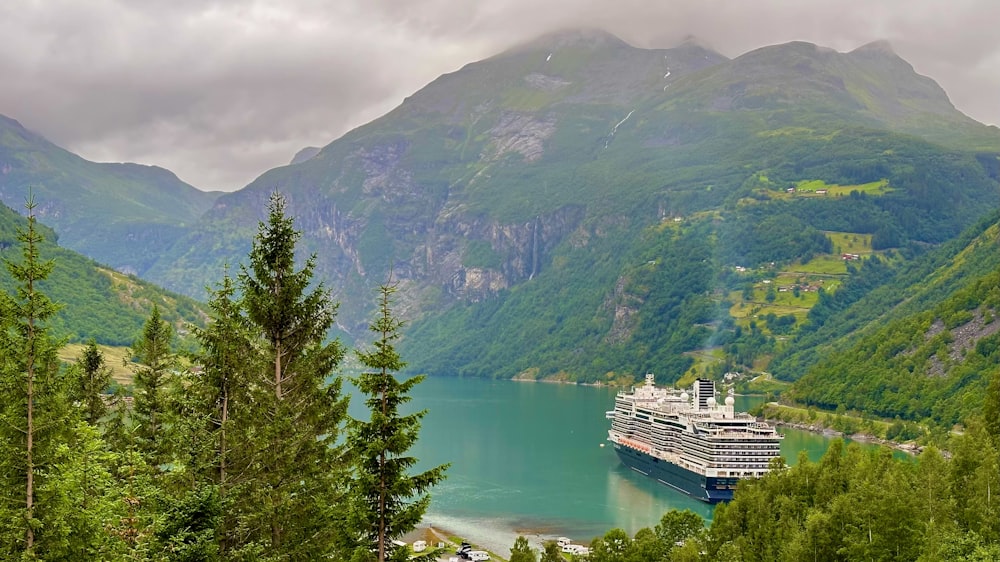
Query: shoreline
pixel 485 534
pixel 557 381
pixel 908 448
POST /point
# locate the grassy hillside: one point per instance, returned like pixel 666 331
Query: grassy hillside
pixel 918 341
pixel 96 301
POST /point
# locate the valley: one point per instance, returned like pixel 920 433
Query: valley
pixel 580 209
pixel 818 228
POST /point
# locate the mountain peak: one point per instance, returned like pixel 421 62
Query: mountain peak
pixel 591 38
pixel 10 122
pixel 695 41
pixel 14 127
pixel 306 153
pixel 878 47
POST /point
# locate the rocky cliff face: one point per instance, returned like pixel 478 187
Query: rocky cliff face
pixel 473 184
pixel 432 249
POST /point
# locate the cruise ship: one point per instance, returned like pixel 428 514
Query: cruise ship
pixel 690 443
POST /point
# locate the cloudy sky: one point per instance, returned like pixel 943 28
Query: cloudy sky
pixel 219 91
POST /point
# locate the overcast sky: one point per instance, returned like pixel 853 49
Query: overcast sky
pixel 221 91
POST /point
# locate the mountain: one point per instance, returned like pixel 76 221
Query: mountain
pixel 920 343
pixel 373 198
pixel 579 208
pixel 870 86
pixel 304 154
pixel 123 215
pixel 96 301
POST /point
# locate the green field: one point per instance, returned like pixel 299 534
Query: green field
pixel 850 243
pixel 764 384
pixel 817 187
pixel 115 358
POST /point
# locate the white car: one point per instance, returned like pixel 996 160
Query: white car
pixel 479 555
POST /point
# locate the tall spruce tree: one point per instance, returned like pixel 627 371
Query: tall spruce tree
pixel 386 501
pixel 220 399
pixel 34 414
pixel 292 472
pixel 152 373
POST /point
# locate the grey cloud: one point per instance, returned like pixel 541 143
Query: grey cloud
pixel 221 91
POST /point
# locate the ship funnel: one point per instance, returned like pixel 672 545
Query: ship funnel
pixel 703 390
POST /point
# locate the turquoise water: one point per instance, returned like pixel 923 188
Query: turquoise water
pixel 527 458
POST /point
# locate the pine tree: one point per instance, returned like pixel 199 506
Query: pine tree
pixel 292 472
pixel 219 395
pixel 387 502
pixel 95 378
pixel 34 415
pixel 155 361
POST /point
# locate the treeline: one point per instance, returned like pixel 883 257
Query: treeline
pixel 248 455
pixel 852 504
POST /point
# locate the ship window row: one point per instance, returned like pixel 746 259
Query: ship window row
pixel 754 449
pixel 735 458
pixel 709 456
pixel 747 446
pixel 731 460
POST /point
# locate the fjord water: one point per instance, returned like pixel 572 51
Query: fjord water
pixel 526 458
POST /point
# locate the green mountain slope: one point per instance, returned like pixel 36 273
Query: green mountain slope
pixel 96 301
pixel 120 214
pixel 921 344
pixel 577 206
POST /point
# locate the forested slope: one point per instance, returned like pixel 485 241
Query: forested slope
pixel 927 343
pixel 96 301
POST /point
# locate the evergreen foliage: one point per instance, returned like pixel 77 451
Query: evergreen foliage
pixel 153 370
pixel 274 415
pixel 926 368
pixel 386 501
pixel 34 414
pixel 56 488
pixel 240 458
pixel 219 397
pixel 852 504
pixel 95 379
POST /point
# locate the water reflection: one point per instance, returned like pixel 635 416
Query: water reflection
pixel 636 500
pixel 527 459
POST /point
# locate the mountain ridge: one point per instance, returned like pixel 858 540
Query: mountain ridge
pixel 96 206
pixel 413 188
pixel 578 208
